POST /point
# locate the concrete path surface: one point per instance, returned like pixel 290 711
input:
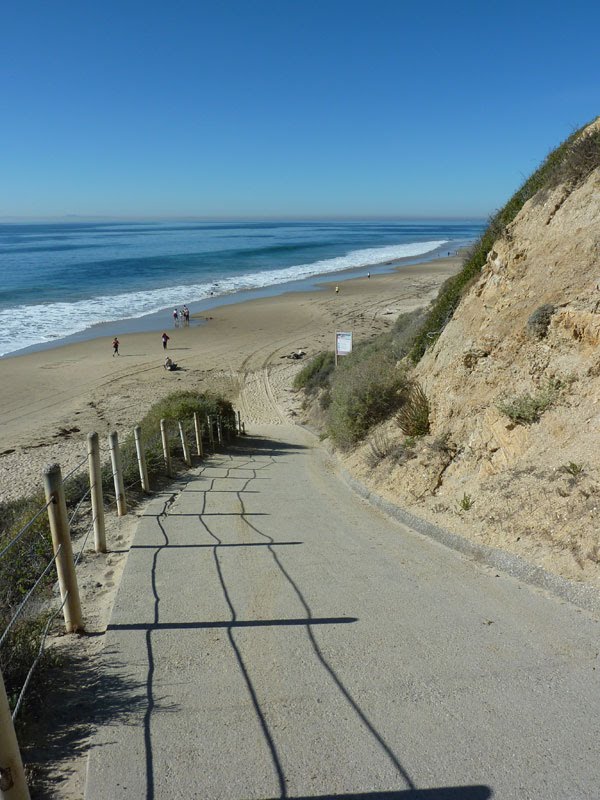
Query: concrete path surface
pixel 276 637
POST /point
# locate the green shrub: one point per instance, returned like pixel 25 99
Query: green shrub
pixel 573 468
pixel 367 388
pixel 527 408
pixel 580 155
pixel 178 406
pixel 539 322
pixel 316 374
pixel 325 399
pixel 466 502
pixel 406 327
pixel 27 558
pixel 182 405
pixel 380 447
pixel 413 417
pixel 19 569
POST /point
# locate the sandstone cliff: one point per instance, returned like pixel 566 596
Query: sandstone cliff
pixel 531 488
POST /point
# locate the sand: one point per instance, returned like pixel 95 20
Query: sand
pixel 51 399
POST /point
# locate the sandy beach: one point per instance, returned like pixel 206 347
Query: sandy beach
pixel 51 399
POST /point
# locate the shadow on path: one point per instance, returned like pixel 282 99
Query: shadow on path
pixel 319 654
pixel 308 622
pixel 445 793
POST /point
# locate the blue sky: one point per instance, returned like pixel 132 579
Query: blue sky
pixel 286 107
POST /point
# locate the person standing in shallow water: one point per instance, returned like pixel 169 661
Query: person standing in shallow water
pixel 165 339
pixel 115 345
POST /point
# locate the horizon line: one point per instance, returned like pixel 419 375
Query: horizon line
pixel 234 217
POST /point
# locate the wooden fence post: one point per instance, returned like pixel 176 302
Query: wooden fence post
pixel 219 431
pixel 184 446
pixel 115 460
pixel 13 785
pixel 164 435
pixel 141 458
pixel 61 543
pixel 239 416
pixel 211 438
pixel 96 492
pixel 198 429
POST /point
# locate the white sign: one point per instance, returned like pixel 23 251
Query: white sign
pixel 343 344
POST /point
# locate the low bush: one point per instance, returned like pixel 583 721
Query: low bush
pixel 367 388
pixel 539 322
pixel 413 417
pixel 379 448
pixel 581 155
pixel 316 374
pixel 526 408
pixel 466 502
pixel 402 335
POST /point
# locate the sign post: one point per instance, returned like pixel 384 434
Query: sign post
pixel 343 344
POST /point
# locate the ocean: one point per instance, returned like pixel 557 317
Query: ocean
pixel 63 279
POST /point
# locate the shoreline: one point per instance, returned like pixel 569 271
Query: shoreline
pixel 52 398
pixel 157 320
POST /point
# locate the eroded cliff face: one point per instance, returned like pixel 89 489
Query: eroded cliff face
pixel 532 488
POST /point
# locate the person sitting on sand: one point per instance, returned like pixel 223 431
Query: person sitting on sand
pixel 169 364
pixel 115 345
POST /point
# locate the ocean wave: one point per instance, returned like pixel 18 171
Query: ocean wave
pixel 28 325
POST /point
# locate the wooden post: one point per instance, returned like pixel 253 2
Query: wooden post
pixel 141 458
pixel 13 785
pixel 219 431
pixel 211 438
pixel 239 416
pixel 96 492
pixel 198 429
pixel 164 435
pixel 184 446
pixel 61 538
pixel 115 460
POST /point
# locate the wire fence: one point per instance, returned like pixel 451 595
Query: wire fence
pixel 41 549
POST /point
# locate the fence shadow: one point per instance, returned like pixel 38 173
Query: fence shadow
pixel 257 445
pixel 443 793
pixel 85 695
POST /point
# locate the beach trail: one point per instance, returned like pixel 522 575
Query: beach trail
pixel 276 637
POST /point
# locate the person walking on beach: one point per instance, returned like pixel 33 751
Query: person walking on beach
pixel 337 289
pixel 165 339
pixel 115 347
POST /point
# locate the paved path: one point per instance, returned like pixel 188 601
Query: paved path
pixel 276 637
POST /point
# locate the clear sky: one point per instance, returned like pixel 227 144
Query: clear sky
pixel 286 107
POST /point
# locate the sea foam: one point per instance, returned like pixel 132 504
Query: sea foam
pixel 28 325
